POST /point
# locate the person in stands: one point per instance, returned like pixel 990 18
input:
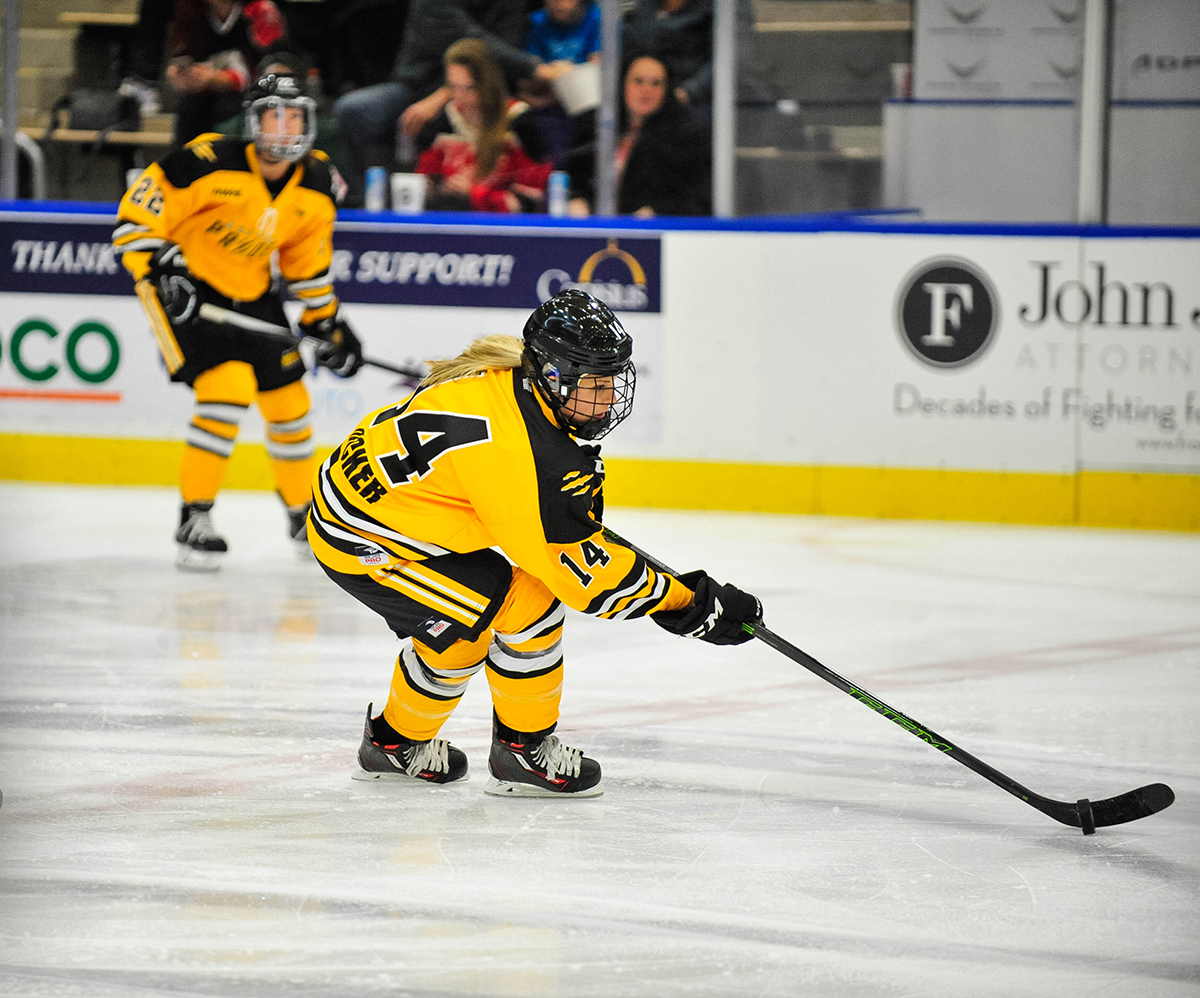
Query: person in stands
pixel 483 154
pixel 213 45
pixel 374 117
pixel 663 154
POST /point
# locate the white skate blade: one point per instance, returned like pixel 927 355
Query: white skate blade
pixel 363 774
pixel 503 788
pixel 191 560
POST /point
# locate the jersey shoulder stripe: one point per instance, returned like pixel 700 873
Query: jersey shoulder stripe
pixel 205 154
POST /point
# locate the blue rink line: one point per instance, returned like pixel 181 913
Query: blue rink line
pixel 887 220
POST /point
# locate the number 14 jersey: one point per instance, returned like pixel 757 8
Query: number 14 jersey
pixel 475 463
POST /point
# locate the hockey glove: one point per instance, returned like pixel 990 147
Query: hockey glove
pixel 717 614
pixel 339 349
pixel 177 292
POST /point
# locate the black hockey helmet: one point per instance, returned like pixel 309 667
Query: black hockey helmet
pixel 280 91
pixel 578 355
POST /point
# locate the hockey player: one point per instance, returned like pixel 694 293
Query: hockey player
pixel 201 227
pixel 410 515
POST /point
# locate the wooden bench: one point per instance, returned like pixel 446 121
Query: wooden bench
pixel 84 136
pixel 98 18
pixel 125 145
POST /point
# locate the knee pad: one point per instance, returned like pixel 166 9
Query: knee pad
pixel 289 429
pixel 434 681
pixel 291 441
pixel 223 395
pixel 534 651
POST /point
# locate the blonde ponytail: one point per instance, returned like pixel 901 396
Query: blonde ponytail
pixel 486 354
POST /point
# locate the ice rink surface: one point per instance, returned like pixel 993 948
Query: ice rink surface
pixel 178 816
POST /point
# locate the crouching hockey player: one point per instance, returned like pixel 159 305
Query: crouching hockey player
pixel 407 514
pixel 200 227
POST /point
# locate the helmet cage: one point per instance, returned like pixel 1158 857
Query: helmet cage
pixel 578 355
pixel 280 145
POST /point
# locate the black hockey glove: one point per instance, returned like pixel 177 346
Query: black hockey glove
pixel 177 292
pixel 340 350
pixel 717 615
pixel 593 452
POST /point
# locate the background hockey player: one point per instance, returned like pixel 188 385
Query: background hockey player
pixel 407 511
pixel 201 226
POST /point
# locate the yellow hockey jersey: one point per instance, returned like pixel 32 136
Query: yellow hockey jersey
pixel 470 464
pixel 211 200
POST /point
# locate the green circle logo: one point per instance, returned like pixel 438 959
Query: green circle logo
pixel 14 349
pixel 114 352
pixel 91 375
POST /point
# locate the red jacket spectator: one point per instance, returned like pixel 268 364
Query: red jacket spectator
pixel 452 154
pixel 482 155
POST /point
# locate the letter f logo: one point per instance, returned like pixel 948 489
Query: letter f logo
pixel 946 312
pixel 947 302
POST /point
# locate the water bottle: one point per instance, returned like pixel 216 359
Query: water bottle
pixel 556 194
pixel 376 193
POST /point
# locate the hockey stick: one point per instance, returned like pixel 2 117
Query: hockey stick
pixel 227 317
pixel 1085 814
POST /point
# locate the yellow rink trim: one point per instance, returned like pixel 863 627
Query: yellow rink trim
pixel 104 461
pixel 1089 498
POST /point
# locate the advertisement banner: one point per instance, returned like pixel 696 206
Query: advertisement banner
pixel 1078 349
pixel 1023 353
pixel 485 270
pixel 377 264
pixel 77 357
pixel 1019 353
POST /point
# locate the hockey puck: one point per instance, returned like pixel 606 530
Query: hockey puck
pixel 1086 821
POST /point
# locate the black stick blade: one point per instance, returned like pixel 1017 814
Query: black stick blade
pixel 1136 804
pixel 1086 821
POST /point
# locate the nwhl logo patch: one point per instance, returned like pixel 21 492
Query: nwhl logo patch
pixel 370 556
pixel 434 628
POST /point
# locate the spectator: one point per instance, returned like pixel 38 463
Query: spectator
pixel 562 35
pixel 663 155
pixel 564 32
pixel 680 33
pixel 213 44
pixel 415 93
pixel 484 157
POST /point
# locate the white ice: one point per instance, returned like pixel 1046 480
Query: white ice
pixel 178 816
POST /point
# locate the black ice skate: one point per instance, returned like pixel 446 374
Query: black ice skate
pixel 298 530
pixel 539 765
pixel 434 761
pixel 201 548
